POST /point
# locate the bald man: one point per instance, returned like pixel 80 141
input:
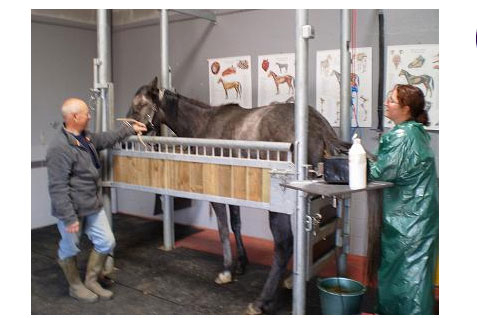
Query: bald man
pixel 73 182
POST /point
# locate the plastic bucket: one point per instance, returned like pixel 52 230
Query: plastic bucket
pixel 340 296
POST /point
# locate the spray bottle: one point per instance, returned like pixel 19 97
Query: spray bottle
pixel 357 165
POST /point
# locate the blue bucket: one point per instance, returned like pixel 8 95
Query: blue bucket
pixel 340 296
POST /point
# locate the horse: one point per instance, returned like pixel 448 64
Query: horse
pixel 282 79
pixel 187 117
pixel 354 78
pixel 426 80
pixel 282 65
pixel 231 85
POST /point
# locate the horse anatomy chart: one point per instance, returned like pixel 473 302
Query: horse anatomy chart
pixel 417 65
pixel 230 81
pixel 276 79
pixel 328 81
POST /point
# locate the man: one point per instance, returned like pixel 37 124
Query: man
pixel 74 176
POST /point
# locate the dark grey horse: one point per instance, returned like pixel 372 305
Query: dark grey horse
pixel 190 118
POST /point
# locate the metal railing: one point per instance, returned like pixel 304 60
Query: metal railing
pixel 274 155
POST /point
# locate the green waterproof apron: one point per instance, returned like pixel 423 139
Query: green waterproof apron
pixel 410 228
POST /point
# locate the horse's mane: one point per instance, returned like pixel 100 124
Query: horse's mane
pixel 173 95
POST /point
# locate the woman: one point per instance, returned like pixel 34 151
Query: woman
pixel 410 226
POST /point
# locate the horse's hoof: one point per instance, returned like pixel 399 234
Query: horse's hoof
pixel 240 268
pixel 252 310
pixel 223 278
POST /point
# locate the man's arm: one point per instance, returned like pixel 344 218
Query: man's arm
pixel 110 138
pixel 59 166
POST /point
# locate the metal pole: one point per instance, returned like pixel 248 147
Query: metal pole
pixel 345 90
pixel 104 77
pixel 345 122
pixel 167 201
pixel 303 33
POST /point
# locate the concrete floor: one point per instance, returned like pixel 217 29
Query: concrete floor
pixel 152 281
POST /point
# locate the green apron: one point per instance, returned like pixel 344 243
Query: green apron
pixel 410 228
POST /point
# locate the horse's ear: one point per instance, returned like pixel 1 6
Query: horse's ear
pixel 153 84
pixel 161 94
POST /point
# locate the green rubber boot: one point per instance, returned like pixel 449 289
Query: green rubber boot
pixel 76 290
pixel 94 269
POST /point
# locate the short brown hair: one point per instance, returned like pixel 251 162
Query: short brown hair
pixel 412 96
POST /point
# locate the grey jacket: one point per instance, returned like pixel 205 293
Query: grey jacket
pixel 73 180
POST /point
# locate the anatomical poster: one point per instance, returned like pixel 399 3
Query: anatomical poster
pixel 416 65
pixel 230 81
pixel 276 79
pixel 328 82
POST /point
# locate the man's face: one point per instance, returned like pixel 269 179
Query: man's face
pixel 82 117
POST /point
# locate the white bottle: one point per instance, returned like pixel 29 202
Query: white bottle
pixel 357 165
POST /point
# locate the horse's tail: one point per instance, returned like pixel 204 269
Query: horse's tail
pixel 336 146
pixel 374 233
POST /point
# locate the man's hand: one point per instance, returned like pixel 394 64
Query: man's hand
pixel 73 227
pixel 139 127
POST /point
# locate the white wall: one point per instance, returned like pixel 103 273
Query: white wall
pixel 61 66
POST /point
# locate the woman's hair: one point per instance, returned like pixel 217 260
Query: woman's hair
pixel 413 97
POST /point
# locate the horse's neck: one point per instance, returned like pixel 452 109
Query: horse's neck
pixel 187 119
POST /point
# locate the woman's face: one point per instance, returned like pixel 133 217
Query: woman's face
pixel 394 111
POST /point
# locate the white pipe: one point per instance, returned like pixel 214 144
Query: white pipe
pixel 345 90
pixel 301 128
pixel 167 201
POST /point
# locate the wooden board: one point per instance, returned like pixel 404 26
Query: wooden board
pixel 245 183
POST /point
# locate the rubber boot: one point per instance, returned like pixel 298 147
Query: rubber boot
pixel 95 266
pixel 77 290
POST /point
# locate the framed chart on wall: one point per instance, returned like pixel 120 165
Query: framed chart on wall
pixel 230 81
pixel 328 82
pixel 276 79
pixel 416 65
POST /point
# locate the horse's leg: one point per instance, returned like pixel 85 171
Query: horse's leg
pixel 235 222
pixel 225 276
pixel 280 224
pixel 278 90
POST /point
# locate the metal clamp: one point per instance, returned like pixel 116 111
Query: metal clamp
pixel 308 223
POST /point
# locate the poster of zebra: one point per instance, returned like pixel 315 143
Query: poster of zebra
pixel 230 81
pixel 276 79
pixel 417 65
pixel 328 82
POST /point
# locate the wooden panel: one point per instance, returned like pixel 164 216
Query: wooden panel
pixel 142 171
pixel 239 182
pixel 210 179
pixel 157 173
pixel 169 180
pixel 225 180
pixel 183 178
pixel 245 183
pixel 265 185
pixel 254 184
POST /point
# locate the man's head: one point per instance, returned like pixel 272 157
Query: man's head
pixel 76 114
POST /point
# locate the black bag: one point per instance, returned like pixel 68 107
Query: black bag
pixel 336 170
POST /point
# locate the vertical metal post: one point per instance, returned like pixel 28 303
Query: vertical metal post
pixel 345 119
pixel 345 90
pixel 303 33
pixel 104 77
pixel 167 201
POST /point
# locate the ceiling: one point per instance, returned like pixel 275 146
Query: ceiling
pixel 121 17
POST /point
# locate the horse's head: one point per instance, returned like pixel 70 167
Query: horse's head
pixel 270 74
pixel 146 106
pixel 220 80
